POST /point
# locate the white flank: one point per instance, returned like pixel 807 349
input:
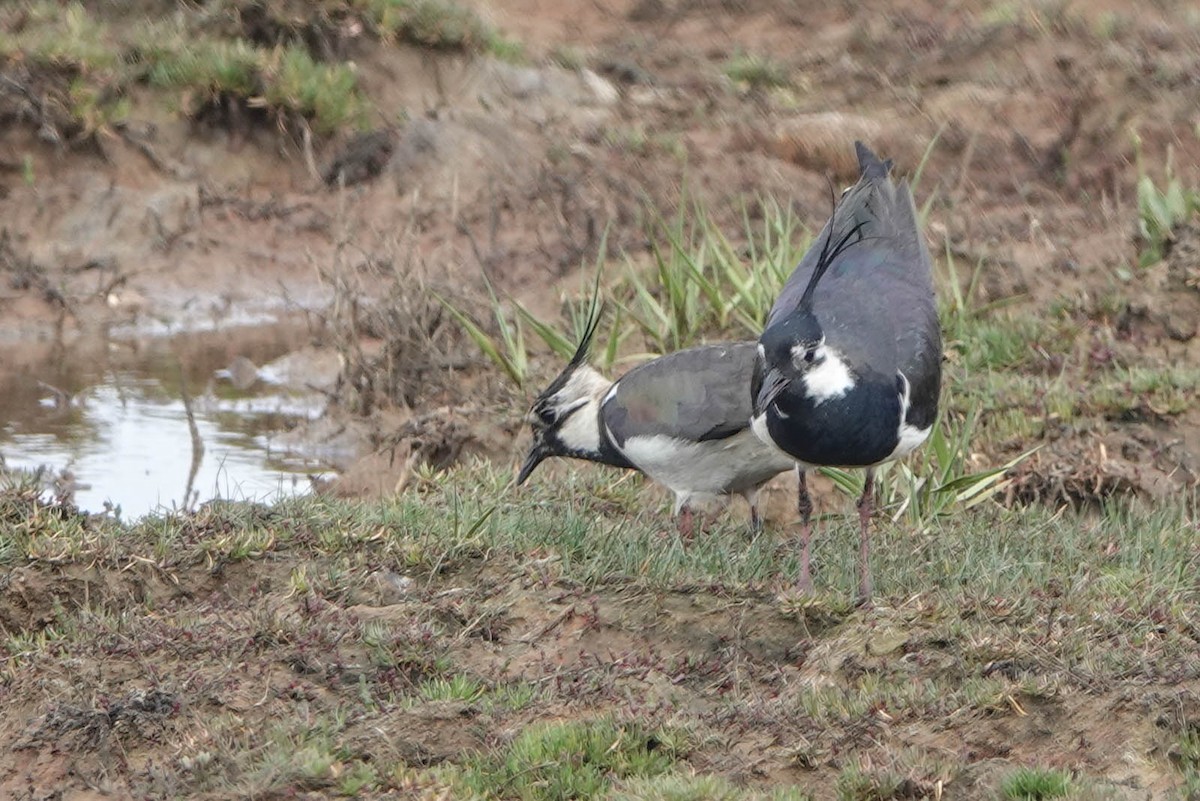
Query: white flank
pixel 911 437
pixel 828 379
pixel 693 469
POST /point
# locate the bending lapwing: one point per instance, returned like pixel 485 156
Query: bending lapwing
pixel 849 366
pixel 682 419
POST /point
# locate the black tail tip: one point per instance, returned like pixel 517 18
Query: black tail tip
pixel 871 166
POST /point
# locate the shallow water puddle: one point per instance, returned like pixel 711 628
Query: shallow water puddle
pixel 109 422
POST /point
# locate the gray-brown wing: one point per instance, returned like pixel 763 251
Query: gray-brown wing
pixel 697 394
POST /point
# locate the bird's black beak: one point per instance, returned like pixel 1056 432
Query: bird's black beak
pixel 537 453
pixel 773 384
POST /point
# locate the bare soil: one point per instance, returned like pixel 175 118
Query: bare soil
pixel 515 171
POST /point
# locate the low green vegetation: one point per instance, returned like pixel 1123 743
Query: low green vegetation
pixel 1036 784
pixel 578 759
pixel 1161 209
pixel 202 57
pixel 598 527
pixel 561 642
pixel 701 284
pixel 756 72
pixel 1186 757
pixel 433 23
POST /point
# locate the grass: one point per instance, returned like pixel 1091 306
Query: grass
pixel 65 37
pixel 457 688
pixel 756 72
pixel 202 58
pixel 597 529
pixel 576 759
pixel 105 62
pixel 441 24
pixel 1161 209
pixel 1036 784
pixel 560 642
pixel 700 283
pixel 1186 758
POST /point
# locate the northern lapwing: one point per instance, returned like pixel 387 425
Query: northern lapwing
pixel 849 366
pixel 682 419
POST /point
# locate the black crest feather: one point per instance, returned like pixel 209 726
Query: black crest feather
pixel 828 253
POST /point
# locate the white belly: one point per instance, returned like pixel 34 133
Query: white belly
pixel 714 467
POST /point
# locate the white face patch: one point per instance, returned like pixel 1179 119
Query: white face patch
pixel 577 405
pixel 828 377
pixel 581 431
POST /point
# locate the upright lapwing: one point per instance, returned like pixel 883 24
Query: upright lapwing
pixel 849 366
pixel 682 419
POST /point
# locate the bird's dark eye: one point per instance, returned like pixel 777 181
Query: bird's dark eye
pixel 547 415
pixel 809 355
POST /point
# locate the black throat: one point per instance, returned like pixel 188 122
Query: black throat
pixel 607 453
pixel 858 429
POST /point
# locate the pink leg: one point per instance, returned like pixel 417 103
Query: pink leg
pixel 805 506
pixel 687 524
pixel 866 505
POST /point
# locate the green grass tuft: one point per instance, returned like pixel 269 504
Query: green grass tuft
pixel 213 66
pixel 574 759
pixel 757 72
pixel 700 284
pixel 1036 784
pixel 202 54
pixel 856 784
pixel 1161 209
pixel 63 37
pixel 439 24
pixel 325 93
pixel 456 688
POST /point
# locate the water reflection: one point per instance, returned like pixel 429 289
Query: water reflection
pixel 112 417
